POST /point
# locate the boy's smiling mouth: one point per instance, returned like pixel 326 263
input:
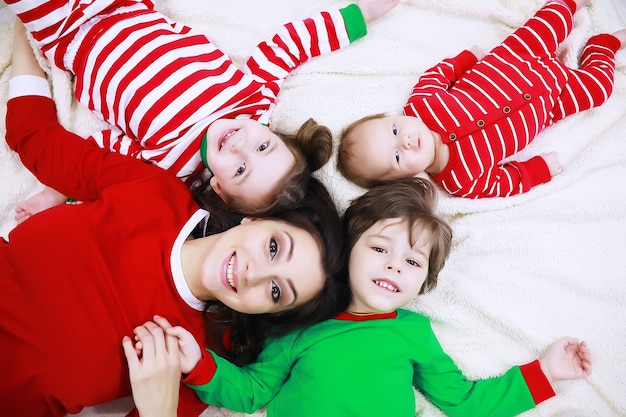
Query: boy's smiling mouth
pixel 387 285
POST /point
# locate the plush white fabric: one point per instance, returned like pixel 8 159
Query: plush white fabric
pixel 524 271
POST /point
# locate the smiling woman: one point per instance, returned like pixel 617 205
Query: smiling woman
pixel 77 278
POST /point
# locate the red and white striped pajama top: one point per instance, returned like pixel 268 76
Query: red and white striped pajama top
pixel 160 83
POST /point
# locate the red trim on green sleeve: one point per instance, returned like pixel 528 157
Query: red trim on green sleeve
pixel 204 372
pixel 537 382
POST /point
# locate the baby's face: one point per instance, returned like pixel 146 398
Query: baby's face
pixel 392 147
pixel 386 269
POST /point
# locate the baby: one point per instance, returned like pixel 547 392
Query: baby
pixel 467 114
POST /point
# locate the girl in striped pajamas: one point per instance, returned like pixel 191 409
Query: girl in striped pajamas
pixel 464 117
pixel 174 99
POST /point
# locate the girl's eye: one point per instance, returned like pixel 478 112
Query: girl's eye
pixel 276 292
pixel 263 147
pixel 241 169
pixel 397 155
pixel 273 248
pixel 394 130
pixel 377 249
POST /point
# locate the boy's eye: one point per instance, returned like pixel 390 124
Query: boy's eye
pixel 241 169
pixel 273 248
pixel 412 262
pixel 276 292
pixel 397 155
pixel 263 146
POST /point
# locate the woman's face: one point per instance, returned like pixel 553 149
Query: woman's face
pixel 247 159
pixel 263 266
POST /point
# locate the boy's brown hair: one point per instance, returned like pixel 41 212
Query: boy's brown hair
pixel 345 154
pixel 411 199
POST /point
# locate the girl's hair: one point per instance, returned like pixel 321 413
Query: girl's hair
pixel 311 147
pixel 411 199
pixel 239 337
pixel 345 155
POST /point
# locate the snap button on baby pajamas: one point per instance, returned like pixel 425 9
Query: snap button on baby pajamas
pixel 506 109
pixel 527 96
pixel 480 123
pixel 452 136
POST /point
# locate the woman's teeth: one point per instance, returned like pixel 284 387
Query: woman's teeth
pixel 229 272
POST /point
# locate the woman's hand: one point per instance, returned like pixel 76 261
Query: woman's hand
pixel 154 370
pixel 190 351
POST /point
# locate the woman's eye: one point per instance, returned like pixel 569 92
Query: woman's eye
pixel 276 292
pixel 397 155
pixel 241 169
pixel 273 248
pixel 263 147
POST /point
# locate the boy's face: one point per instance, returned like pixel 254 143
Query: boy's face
pixel 386 271
pixel 247 159
pixel 392 147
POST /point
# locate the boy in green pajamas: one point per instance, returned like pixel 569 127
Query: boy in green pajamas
pixel 367 359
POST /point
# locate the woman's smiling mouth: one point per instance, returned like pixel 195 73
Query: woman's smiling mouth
pixel 230 276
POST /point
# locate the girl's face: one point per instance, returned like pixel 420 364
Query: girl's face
pixel 386 270
pixel 263 266
pixel 247 160
pixel 392 147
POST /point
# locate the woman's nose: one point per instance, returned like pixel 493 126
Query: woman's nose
pixel 255 274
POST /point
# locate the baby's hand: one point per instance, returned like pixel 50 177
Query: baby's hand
pixel 553 163
pixel 566 358
pixel 373 9
pixel 478 53
pixel 190 351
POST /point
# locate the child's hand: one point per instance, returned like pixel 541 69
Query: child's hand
pixel 154 370
pixel 553 163
pixel 566 358
pixel 373 9
pixel 190 351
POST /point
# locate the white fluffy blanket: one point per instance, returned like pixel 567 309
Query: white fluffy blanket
pixel 524 271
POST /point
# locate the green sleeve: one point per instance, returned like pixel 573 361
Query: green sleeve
pixel 248 388
pixel 355 23
pixel 443 383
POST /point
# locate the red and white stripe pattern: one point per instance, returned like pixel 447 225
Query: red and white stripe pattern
pixel 489 111
pixel 161 84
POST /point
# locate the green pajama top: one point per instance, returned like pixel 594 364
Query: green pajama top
pixel 363 365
